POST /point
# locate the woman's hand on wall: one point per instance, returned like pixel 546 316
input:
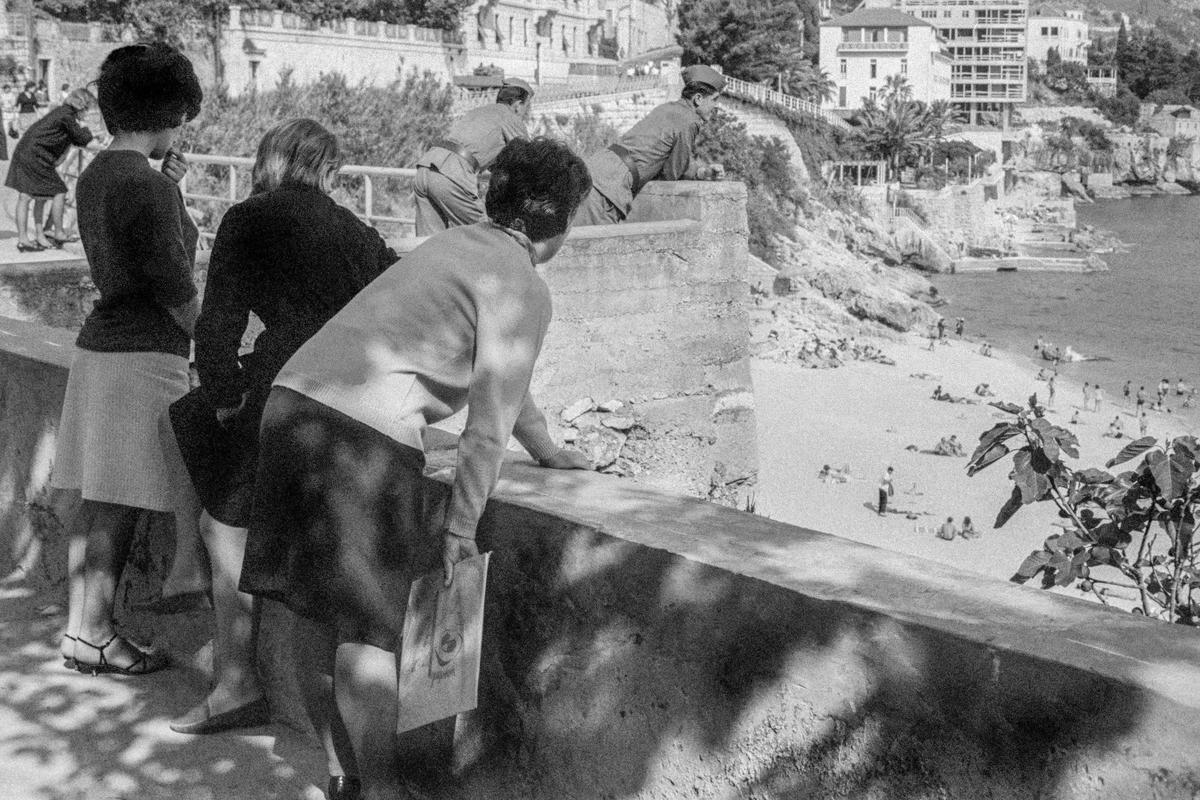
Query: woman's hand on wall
pixel 567 459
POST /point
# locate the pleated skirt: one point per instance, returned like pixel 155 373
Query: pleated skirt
pixel 115 444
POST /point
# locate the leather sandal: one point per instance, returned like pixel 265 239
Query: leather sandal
pixel 69 661
pixel 29 248
pixel 144 664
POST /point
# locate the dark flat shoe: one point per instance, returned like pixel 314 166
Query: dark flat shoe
pixel 29 248
pixel 57 242
pixel 251 715
pixel 343 788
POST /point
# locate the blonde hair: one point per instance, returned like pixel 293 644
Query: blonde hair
pixel 299 152
pixel 80 99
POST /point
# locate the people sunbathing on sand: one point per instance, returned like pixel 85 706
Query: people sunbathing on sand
pixel 984 390
pixel 828 474
pixel 1116 429
pixel 949 446
pixel 946 397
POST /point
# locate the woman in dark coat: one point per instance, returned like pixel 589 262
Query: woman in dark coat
pixel 33 171
pixel 293 257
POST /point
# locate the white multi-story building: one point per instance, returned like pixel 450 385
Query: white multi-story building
pixel 1067 33
pixel 986 41
pixel 864 48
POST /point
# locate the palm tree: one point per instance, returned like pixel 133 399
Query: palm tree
pixel 895 127
pixel 810 82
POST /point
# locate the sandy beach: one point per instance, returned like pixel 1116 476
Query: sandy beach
pixel 866 414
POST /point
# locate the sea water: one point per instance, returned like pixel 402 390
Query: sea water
pixel 1141 318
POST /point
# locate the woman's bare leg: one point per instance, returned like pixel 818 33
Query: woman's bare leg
pixel 189 571
pixel 109 537
pixel 314 648
pixel 21 217
pixel 77 533
pixel 39 222
pixel 235 676
pixel 365 687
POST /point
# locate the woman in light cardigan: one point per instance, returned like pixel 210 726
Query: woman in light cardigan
pixel 340 517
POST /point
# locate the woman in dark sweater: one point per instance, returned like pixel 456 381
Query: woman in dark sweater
pixel 33 172
pixel 293 257
pixel 132 356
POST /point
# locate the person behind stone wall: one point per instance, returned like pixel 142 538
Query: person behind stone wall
pixel 446 187
pixel 339 521
pixel 131 360
pixel 658 147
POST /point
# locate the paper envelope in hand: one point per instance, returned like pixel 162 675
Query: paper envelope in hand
pixel 438 665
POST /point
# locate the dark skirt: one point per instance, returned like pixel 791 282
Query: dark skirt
pixel 221 460
pixel 340 523
pixel 30 175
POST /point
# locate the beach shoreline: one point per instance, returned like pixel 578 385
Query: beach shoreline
pixel 871 416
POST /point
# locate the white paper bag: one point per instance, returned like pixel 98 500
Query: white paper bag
pixel 438 667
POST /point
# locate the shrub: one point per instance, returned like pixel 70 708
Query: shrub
pixel 764 166
pixel 377 126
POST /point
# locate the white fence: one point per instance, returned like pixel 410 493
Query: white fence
pixel 235 166
pixel 765 96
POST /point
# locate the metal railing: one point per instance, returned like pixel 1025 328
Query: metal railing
pixel 763 95
pixel 850 47
pixel 237 166
pixel 573 90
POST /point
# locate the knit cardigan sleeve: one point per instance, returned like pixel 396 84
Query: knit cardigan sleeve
pixel 511 322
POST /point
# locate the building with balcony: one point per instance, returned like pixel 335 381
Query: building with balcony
pixel 1171 120
pixel 1102 80
pixel 986 42
pixel 1067 33
pixel 864 48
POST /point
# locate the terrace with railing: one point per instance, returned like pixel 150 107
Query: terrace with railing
pixel 767 97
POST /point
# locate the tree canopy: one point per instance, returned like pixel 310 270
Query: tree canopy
pixel 755 40
pixel 150 15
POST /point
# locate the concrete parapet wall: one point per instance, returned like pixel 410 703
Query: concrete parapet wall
pixel 645 645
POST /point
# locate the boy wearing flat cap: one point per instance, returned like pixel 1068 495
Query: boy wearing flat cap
pixel 446 187
pixel 658 147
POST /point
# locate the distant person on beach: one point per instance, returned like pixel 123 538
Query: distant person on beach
pixel 948 530
pixel 938 394
pixel 984 390
pixel 959 324
pixel 1164 388
pixel 1141 398
pixel 886 490
pixel 932 338
pixel 1087 395
pixel 446 186
pixel 941 327
pixel 1075 417
pixel 968 529
pixel 1116 429
pixel 1180 387
pixel 1050 391
pixel 1143 424
pixel 985 349
pixel 1097 397
pixel 1191 397
pixel 828 474
pixel 1127 392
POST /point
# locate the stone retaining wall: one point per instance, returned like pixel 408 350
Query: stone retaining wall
pixel 645 645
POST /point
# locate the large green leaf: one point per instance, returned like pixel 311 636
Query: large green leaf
pixel 1032 483
pixel 1031 566
pixel 1010 507
pixel 1132 450
pixel 1091 475
pixel 987 458
pixel 1011 408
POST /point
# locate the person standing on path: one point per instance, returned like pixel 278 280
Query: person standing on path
pixel 33 172
pixel 659 147
pixel 446 187
pixel 1050 391
pixel 886 490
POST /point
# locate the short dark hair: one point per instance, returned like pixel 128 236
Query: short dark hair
pixel 697 89
pixel 511 94
pixel 147 87
pixel 536 186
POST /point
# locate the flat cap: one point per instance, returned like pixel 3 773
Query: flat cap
pixel 700 73
pixel 517 83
